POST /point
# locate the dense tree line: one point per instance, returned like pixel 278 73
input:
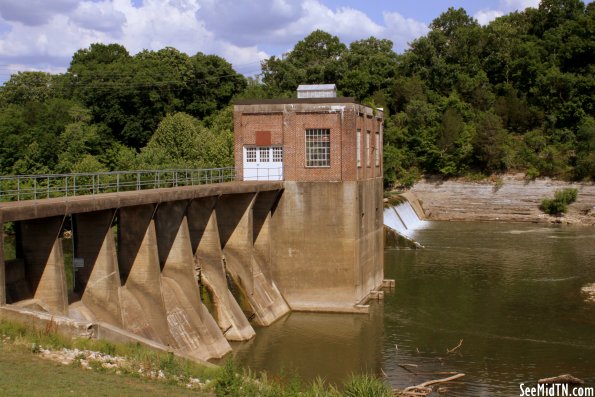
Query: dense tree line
pixel 465 99
pixel 111 110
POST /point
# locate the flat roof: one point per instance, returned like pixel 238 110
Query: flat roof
pixel 316 87
pixel 287 101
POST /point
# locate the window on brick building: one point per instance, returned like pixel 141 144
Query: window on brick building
pixel 264 154
pixel 377 150
pixel 368 149
pixel 277 154
pixel 318 147
pixel 251 155
pixel 358 147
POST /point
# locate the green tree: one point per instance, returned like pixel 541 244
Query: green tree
pixel 490 143
pixel 181 141
pixel 317 59
pixel 25 87
pixel 371 66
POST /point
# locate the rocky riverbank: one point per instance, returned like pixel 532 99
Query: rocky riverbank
pixel 508 198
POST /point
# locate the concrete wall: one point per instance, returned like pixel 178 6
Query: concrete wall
pixel 328 244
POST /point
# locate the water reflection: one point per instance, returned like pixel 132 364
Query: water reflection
pixel 512 292
pixel 331 346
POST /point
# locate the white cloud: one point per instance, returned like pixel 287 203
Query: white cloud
pixel 44 34
pixel 402 30
pixel 155 24
pixel 511 5
pixel 348 23
pixel 99 16
pixel 282 22
pixel 247 23
pixel 485 16
pixel 34 12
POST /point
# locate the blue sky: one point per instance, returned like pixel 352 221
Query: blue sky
pixel 44 34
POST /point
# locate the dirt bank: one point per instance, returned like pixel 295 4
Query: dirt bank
pixel 508 198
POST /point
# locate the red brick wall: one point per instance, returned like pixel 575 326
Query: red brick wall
pixel 288 126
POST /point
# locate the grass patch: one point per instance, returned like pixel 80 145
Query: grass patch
pixel 393 198
pixel 25 373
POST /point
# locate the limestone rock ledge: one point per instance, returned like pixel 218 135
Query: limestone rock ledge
pixel 509 198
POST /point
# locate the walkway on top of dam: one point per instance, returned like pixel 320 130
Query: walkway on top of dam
pixel 26 197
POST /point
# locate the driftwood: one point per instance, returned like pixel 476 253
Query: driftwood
pixel 566 378
pixel 407 366
pixel 423 389
pixel 454 348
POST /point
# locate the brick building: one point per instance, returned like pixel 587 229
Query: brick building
pixel 327 227
pixel 307 139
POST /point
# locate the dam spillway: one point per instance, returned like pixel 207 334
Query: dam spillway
pixel 402 218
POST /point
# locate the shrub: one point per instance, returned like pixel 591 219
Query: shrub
pixel 559 204
pixel 567 195
pixel 553 206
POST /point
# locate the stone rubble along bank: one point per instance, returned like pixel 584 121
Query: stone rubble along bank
pixel 507 198
pixel 91 360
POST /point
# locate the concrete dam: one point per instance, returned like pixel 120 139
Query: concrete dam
pixel 307 236
pixel 138 259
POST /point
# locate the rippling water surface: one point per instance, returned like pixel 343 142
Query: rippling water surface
pixel 511 292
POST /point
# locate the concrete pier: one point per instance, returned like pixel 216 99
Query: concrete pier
pixel 143 309
pixel 237 239
pixel 207 250
pixel 189 321
pixel 98 280
pixel 39 244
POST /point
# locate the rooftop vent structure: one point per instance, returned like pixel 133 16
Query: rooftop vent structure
pixel 317 91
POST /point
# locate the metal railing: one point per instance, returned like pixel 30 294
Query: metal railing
pixel 32 187
pixel 262 174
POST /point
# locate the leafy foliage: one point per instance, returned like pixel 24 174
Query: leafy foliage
pixel 559 204
pixel 465 99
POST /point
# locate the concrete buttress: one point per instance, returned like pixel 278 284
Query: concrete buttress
pixel 143 309
pixel 41 249
pixel 235 222
pixel 98 280
pixel 206 245
pixel 190 323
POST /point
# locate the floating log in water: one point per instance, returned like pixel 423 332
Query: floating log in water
pixel 423 389
pixel 566 378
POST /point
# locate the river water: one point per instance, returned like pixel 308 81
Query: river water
pixel 511 292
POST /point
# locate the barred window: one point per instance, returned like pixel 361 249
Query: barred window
pixel 251 155
pixel 318 147
pixel 358 147
pixel 377 150
pixel 264 154
pixel 277 154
